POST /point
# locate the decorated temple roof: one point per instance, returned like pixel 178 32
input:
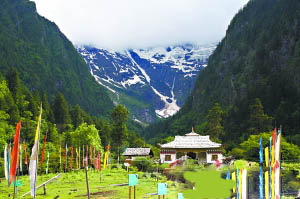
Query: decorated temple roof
pixel 191 140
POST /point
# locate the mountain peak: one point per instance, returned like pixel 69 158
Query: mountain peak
pixel 156 79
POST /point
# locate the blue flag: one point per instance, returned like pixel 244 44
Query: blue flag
pixel 270 151
pixel 261 194
pixel 228 175
pixel 261 160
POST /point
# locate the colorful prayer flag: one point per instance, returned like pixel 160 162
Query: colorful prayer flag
pixel 87 156
pixel 34 157
pixel 267 156
pixel 261 160
pixel 71 159
pixel 25 153
pixel 237 183
pixel 47 162
pixel 240 183
pixel 273 183
pixel 274 137
pixel 277 166
pixel 244 184
pixel 228 175
pixel 43 149
pixel 261 182
pixel 267 184
pixel 15 155
pixel 6 162
pixel 233 177
pixel 20 161
pixel 66 157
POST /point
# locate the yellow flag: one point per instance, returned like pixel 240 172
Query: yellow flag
pixel 273 154
pixel 233 178
pixel 59 156
pixel 267 156
pixel 240 183
pixel 267 184
pixel 76 157
pixel 105 159
pixel 38 126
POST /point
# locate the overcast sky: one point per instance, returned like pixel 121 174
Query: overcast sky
pixel 121 24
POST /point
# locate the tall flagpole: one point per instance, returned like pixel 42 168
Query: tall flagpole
pixel 34 157
pixel 38 147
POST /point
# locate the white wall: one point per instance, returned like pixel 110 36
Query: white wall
pixel 209 157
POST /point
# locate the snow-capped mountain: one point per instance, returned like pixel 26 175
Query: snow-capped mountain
pixel 149 82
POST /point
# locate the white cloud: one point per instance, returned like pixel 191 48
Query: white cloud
pixel 120 24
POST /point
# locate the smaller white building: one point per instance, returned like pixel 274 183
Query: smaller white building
pixel 132 153
pixel 191 145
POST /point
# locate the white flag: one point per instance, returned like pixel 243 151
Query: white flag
pixel 34 158
pixel 5 163
pixel 277 168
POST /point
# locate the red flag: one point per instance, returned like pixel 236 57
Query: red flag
pixel 15 154
pixel 276 165
pixel 71 159
pixel 100 162
pixel 66 151
pixel 274 138
pixel 91 154
pixel 24 146
pixel 95 157
pixel 83 156
pixel 87 155
pixel 43 149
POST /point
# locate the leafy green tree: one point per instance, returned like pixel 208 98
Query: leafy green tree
pixel 259 121
pixel 214 122
pixel 86 135
pixel 249 149
pixel 119 133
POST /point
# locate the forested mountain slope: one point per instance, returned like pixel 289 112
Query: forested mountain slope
pixel 45 58
pixel 258 58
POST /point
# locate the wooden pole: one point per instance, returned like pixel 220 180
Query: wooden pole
pixel 15 189
pixel 87 181
pixel 163 196
pixel 45 189
pixel 134 192
pixel 129 192
pixel 100 176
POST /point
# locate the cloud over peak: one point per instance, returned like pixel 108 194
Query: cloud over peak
pixel 122 24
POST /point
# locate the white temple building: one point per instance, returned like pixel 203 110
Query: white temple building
pixel 191 145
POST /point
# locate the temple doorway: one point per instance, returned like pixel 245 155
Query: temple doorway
pixel 192 155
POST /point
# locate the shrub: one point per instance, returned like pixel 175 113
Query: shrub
pixel 143 164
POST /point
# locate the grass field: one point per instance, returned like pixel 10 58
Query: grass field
pixel 73 185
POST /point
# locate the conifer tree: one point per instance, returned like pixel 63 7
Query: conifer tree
pixel 61 111
pixel 259 121
pixel 214 122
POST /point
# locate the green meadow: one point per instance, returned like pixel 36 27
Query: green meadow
pixel 73 185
